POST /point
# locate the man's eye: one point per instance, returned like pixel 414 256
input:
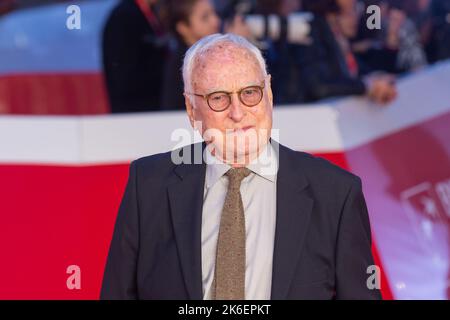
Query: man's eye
pixel 218 97
pixel 250 92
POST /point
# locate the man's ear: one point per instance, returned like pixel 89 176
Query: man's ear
pixel 189 109
pixel 269 89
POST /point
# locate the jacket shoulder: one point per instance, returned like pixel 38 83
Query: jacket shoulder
pixel 160 164
pixel 320 169
pixel 154 163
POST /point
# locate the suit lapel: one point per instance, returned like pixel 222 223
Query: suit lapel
pixel 186 203
pixel 294 207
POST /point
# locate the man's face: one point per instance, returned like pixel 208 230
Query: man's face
pixel 240 132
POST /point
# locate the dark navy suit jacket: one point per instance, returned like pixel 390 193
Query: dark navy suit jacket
pixel 322 239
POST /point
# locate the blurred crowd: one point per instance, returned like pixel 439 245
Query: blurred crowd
pixel 315 49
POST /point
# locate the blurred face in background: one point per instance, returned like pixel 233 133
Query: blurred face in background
pixel 423 5
pixel 289 6
pixel 202 21
pixel 348 19
pixel 240 132
pixel 346 5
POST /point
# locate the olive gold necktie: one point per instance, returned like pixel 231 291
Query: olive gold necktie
pixel 229 274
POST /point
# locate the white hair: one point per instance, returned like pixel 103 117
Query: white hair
pixel 201 46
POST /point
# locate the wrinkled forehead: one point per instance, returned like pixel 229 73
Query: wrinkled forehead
pixel 225 62
pixel 225 52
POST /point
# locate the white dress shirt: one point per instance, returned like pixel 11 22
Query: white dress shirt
pixel 258 191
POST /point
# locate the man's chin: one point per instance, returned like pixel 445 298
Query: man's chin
pixel 242 155
pixel 237 146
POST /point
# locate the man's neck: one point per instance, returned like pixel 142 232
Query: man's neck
pixel 240 161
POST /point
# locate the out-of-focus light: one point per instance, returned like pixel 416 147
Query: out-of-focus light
pixel 400 285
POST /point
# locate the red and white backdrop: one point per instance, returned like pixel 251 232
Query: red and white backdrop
pixel 62 177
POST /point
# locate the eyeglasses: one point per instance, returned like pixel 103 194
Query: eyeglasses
pixel 220 100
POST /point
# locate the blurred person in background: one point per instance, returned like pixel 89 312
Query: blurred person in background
pixel 419 13
pixel 432 20
pixel 405 38
pixel 9 5
pixel 396 47
pixel 188 21
pixel 369 45
pixel 281 54
pixel 134 49
pixel 279 26
pixel 329 68
pixel 6 6
pixel 439 45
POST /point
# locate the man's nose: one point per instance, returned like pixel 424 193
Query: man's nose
pixel 237 111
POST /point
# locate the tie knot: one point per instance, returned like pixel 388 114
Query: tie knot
pixel 236 175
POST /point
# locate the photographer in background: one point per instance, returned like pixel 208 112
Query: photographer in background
pixel 281 53
pixel 277 28
pixel 308 52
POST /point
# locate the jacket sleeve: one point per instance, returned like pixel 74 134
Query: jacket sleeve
pixel 119 279
pixel 353 250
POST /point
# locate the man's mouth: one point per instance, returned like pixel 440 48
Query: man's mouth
pixel 243 128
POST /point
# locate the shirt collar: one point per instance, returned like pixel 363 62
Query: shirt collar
pixel 265 165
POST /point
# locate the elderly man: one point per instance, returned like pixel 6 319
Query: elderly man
pixel 251 219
